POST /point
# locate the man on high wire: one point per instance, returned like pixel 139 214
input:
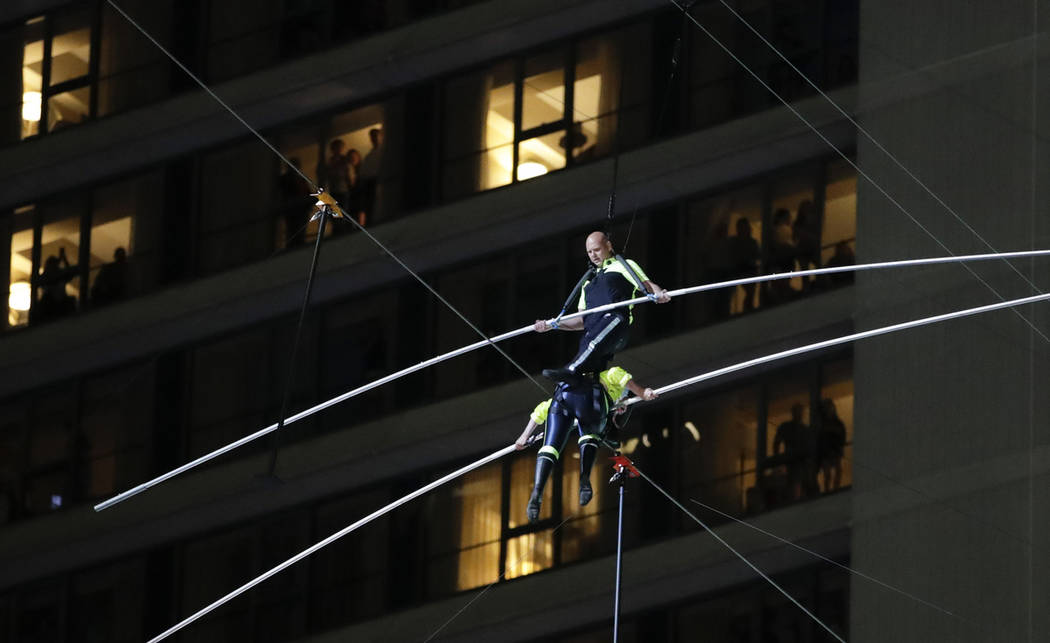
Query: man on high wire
pixel 611 279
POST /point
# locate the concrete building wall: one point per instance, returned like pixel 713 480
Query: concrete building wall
pixel 952 467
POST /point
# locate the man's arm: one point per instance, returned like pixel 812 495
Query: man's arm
pixel 542 326
pixel 662 296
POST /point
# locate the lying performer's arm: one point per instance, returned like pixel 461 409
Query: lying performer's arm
pixel 523 439
pixel 646 394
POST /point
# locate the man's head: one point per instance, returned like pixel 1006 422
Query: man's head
pixel 336 146
pixel 796 412
pixel 599 248
pixel 376 136
pixel 120 255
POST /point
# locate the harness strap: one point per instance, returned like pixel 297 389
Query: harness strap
pixel 574 294
pixel 637 280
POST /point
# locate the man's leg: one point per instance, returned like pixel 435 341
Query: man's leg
pixel 597 347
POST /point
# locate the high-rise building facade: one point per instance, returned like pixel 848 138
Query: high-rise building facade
pixel 158 253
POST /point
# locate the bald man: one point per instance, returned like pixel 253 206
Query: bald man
pixel 604 334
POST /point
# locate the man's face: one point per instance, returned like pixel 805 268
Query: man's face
pixel 598 249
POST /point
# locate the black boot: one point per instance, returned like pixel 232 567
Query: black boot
pixel 543 471
pixel 562 375
pixel 588 452
pixel 533 508
pixel 586 493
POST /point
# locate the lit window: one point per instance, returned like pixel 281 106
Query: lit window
pixel 68 108
pixel 727 231
pixel 835 426
pixel 498 160
pixel 70 46
pixel 529 553
pixel 719 468
pixel 353 163
pixel 58 282
pixel 111 227
pixel 20 292
pixel 56 90
pixel 32 77
pixel 794 235
pixel 479 520
pixel 840 215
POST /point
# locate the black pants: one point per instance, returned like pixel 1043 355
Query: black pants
pixel 585 405
pixel 600 342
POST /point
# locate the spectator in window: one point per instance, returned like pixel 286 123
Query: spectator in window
pixel 112 280
pixel 355 206
pixel 337 172
pixel 54 302
pixel 296 204
pixel 586 405
pixel 831 445
pixel 745 254
pixel 781 255
pixel 807 241
pixel 794 436
pixel 575 140
pixel 369 171
pixel 843 257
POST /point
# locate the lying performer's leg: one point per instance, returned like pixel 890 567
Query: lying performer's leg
pixel 558 426
pixel 588 453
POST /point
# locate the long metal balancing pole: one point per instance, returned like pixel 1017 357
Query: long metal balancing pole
pixel 511 448
pixel 526 329
pixel 334 537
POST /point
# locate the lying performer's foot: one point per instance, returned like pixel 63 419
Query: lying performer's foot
pixel 586 493
pixel 533 508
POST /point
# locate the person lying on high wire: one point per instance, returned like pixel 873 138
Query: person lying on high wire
pixel 587 403
pixel 610 279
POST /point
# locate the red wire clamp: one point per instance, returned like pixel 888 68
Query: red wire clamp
pixel 623 465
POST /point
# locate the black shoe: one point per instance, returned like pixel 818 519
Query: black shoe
pixel 533 509
pixel 586 493
pixel 561 375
